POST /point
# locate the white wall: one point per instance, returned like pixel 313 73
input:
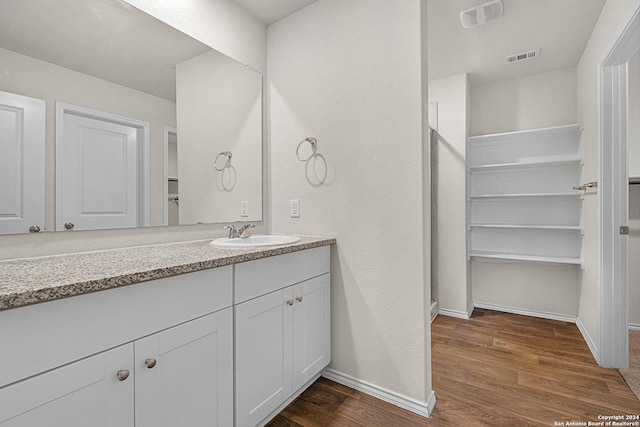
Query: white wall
pixel 634 255
pixel 349 74
pixel 218 105
pixel 609 23
pixel 634 116
pixel 634 190
pixel 454 288
pixel 38 79
pixel 538 101
pixel 542 100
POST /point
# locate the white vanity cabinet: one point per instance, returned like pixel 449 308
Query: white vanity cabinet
pixel 183 376
pixel 154 354
pixel 83 393
pixel 282 322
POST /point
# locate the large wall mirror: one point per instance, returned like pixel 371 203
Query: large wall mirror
pixel 110 118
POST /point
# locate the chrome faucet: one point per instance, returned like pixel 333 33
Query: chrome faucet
pixel 245 230
pixel 242 232
pixel 233 231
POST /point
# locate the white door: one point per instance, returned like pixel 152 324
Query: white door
pixel 184 375
pixel 263 355
pixel 98 173
pixel 85 393
pixel 311 329
pixel 22 147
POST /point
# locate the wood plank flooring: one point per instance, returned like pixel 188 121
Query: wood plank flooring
pixel 496 369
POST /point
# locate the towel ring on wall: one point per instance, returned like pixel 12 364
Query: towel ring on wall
pixel 315 167
pixel 227 161
pixel 314 148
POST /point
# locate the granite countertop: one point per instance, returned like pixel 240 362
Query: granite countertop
pixel 33 280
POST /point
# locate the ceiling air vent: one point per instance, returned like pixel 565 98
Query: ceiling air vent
pixel 481 14
pixel 523 56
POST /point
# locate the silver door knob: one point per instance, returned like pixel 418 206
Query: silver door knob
pixel 34 229
pixel 299 299
pixel 122 374
pixel 69 225
pixel 151 362
pixel 290 302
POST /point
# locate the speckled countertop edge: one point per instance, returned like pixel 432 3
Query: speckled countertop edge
pixel 34 280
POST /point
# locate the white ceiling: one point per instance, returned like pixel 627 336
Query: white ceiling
pixel 100 36
pixel 560 28
pixel 270 11
pixel 103 38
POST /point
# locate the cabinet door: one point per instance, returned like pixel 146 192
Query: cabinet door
pixel 22 159
pixel 81 394
pixel 311 329
pixel 184 375
pixel 263 355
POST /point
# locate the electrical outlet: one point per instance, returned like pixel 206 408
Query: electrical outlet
pixel 244 208
pixel 295 208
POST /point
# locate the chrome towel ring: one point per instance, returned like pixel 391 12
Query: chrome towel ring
pixel 315 164
pixel 224 156
pixel 314 148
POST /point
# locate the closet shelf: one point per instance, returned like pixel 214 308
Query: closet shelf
pixel 524 165
pixel 525 135
pixel 526 257
pixel 529 227
pixel 525 195
pixel 519 197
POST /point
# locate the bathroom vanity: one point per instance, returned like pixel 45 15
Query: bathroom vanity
pixel 193 335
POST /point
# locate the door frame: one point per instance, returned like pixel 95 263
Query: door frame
pixel 144 130
pixel 168 130
pixel 613 192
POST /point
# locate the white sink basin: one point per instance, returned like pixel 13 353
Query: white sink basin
pixel 256 240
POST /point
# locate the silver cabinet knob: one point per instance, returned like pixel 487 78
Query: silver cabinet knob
pixel 290 302
pixel 69 225
pixel 299 299
pixel 34 229
pixel 122 374
pixel 151 362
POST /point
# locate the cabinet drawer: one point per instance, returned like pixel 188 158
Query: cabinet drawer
pixel 259 277
pixel 40 337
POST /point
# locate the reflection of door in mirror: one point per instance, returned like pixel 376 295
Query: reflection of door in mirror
pixel 99 170
pixel 171 209
pixel 22 139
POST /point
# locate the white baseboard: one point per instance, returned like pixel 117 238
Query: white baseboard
pixel 590 342
pixel 634 327
pixel 524 312
pixel 434 310
pixel 454 313
pixel 408 403
pixel 470 310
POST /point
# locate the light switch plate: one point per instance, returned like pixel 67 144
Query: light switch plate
pixel 295 208
pixel 244 208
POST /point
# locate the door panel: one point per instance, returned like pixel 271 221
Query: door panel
pixel 22 148
pixel 311 329
pixel 98 167
pixel 84 393
pixel 263 356
pixel 191 383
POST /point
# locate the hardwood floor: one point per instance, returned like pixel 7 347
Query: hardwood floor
pixel 496 369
